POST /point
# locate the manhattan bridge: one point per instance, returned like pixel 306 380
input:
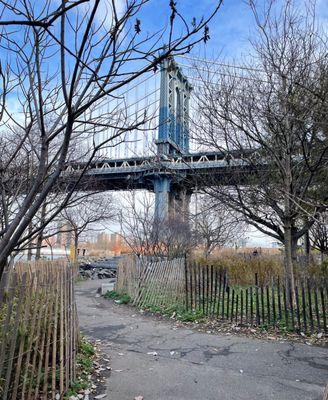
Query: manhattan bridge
pixel 161 156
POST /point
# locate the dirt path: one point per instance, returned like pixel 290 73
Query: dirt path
pixel 189 365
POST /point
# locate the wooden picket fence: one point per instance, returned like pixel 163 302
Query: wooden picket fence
pixel 152 282
pixel 208 291
pixel 38 330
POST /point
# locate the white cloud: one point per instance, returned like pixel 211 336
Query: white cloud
pixel 105 10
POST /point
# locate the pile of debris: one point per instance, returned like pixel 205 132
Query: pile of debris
pixel 98 268
pixel 89 272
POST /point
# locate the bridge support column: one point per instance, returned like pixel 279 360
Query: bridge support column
pixel 162 187
pixel 180 203
pixel 170 202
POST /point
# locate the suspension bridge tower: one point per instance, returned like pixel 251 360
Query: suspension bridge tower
pixel 173 139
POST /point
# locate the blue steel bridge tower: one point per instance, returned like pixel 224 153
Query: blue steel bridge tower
pixel 173 139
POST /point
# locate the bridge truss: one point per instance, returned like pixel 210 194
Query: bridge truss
pixel 159 156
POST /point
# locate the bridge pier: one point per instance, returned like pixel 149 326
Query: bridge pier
pixel 162 188
pixel 180 203
pixel 170 201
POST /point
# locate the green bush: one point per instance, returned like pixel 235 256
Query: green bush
pixel 120 298
pixel 190 316
pixel 84 364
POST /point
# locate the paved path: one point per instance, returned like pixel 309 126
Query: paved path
pixel 195 366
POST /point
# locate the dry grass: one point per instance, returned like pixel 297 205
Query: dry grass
pixel 241 269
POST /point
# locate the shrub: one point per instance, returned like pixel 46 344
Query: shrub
pixel 120 298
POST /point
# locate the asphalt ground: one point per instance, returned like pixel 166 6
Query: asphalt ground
pixel 157 360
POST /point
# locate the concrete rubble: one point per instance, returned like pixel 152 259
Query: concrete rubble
pixel 98 268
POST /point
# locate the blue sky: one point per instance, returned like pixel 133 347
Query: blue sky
pixel 229 30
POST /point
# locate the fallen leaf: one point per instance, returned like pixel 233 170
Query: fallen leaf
pixel 138 398
pixel 241 371
pixel 172 353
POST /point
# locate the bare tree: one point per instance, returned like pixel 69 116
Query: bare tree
pixel 62 72
pixel 271 114
pixel 148 236
pixel 86 215
pixel 215 226
pixel 319 235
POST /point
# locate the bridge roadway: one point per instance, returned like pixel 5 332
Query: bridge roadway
pixel 188 171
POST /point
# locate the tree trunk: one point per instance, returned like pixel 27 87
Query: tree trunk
pixel 290 258
pixel 40 235
pixel 207 248
pixel 38 246
pixel 76 243
pixel 29 251
pixel 51 252
pixel 307 248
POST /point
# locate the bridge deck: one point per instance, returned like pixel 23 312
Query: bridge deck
pixel 189 170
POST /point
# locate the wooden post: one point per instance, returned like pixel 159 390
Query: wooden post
pixel 211 292
pixel 219 295
pixel 215 300
pixel 317 308
pixel 191 287
pixel 241 306
pixel 257 300
pixel 285 306
pixel 186 285
pixel 273 299
pixel 207 289
pixel 232 304
pixel 199 288
pixel 323 309
pixel 237 309
pixel 251 304
pixel 55 337
pixel 279 299
pixel 13 338
pixel 203 289
pixel 228 301
pixel 247 306
pixel 298 315
pixel 268 305
pixel 310 306
pixel 304 309
pixel 262 305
